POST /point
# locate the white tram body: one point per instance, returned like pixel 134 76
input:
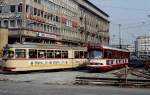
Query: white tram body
pixel 106 58
pixel 28 57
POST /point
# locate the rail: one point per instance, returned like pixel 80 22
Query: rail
pixel 121 82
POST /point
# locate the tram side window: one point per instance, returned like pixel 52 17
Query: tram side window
pixel 82 54
pixel 77 54
pixel 110 55
pixel 41 53
pixel 105 54
pixel 64 54
pixel 32 53
pixel 50 54
pixel 57 54
pixel 20 53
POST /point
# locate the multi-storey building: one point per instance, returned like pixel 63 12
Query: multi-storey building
pixel 142 45
pixel 71 22
pixel 94 23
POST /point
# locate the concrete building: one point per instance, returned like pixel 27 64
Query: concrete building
pixel 142 45
pixel 94 23
pixel 69 22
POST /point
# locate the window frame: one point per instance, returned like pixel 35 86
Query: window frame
pixel 20 56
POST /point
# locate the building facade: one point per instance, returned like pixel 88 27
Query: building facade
pixel 142 45
pixel 69 22
pixel 94 23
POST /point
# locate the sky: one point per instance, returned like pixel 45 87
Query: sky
pixel 131 14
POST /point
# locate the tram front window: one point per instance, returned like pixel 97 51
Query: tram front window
pixel 8 54
pixel 95 54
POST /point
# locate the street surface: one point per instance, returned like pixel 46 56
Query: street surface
pixel 59 83
pixel 16 88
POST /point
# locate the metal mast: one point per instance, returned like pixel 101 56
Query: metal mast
pixel 120 46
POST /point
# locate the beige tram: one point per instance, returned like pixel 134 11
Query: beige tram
pixel 28 57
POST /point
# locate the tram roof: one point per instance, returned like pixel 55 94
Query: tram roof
pixel 112 48
pixel 106 47
pixel 44 46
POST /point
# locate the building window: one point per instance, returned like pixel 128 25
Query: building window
pixel 45 28
pixel 0 9
pixel 6 9
pixel 27 8
pixel 20 8
pixel 12 8
pixel 5 23
pixel 19 23
pixel 42 13
pixel 12 23
pixel 38 12
pixel 35 11
pixel 57 19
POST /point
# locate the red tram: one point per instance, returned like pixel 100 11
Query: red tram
pixel 106 58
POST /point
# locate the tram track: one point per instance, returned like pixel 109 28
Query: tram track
pixel 141 78
pixel 140 73
pixel 120 82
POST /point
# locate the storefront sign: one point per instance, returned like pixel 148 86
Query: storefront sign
pixel 46 35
